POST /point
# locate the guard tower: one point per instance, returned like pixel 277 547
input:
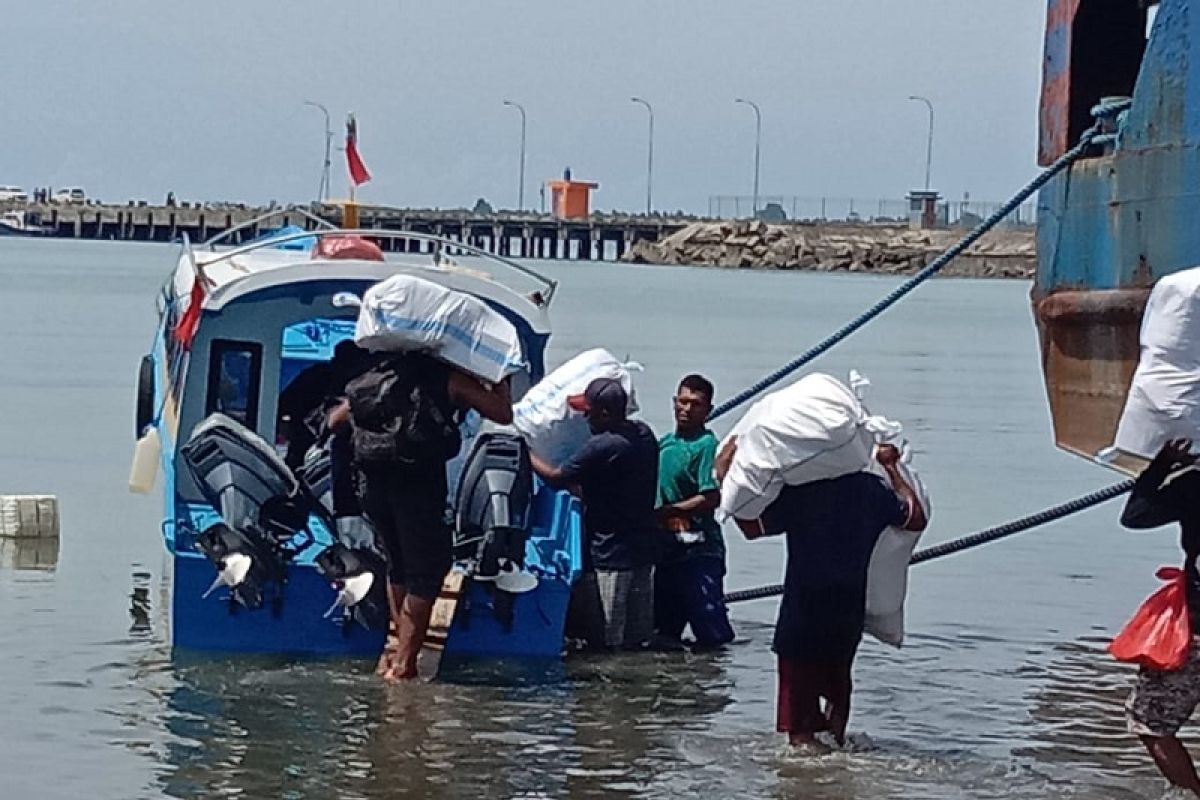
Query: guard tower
pixel 570 199
pixel 922 209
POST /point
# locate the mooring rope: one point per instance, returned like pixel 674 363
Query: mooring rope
pixel 1104 112
pixel 1068 158
pixel 976 539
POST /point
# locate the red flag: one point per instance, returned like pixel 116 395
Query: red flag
pixel 185 328
pixel 354 162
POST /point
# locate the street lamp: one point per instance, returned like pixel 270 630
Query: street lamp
pixel 323 192
pixel 929 140
pixel 757 144
pixel 649 153
pixel 521 179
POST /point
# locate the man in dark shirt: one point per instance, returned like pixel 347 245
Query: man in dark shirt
pixel 616 472
pixel 405 500
pixel 832 527
pixel 1169 491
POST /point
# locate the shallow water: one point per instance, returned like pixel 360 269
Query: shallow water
pixel 1002 690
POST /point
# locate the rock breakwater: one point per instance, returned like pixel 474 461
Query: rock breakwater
pixel 884 249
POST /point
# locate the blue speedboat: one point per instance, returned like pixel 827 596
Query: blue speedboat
pixel 1125 215
pixel 258 562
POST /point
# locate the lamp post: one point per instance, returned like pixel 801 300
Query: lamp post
pixel 649 153
pixel 929 139
pixel 521 179
pixel 757 144
pixel 323 191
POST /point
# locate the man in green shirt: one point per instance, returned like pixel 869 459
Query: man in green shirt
pixel 689 579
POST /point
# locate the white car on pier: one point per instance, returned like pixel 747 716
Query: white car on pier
pixel 69 194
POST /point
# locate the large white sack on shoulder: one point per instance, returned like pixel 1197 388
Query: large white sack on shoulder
pixel 405 313
pixel 1164 398
pixel 554 431
pixel 812 430
pixel 887 574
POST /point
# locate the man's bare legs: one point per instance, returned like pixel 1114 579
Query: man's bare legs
pixel 410 635
pixel 1174 761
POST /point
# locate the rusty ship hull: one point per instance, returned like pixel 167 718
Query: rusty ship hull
pixel 1122 217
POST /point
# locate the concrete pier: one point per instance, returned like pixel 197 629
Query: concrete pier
pixel 601 237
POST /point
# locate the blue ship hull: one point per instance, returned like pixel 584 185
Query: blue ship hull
pixel 1123 217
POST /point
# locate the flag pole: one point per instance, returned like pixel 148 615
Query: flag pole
pixel 350 217
pixel 356 172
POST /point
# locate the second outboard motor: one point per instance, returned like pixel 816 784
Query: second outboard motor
pixel 360 576
pixel 495 491
pixel 317 474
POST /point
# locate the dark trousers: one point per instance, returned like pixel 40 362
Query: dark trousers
pixel 406 505
pixel 691 593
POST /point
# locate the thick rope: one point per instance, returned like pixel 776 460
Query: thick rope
pixel 976 539
pixel 934 267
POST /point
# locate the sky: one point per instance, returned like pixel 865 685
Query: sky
pixel 131 99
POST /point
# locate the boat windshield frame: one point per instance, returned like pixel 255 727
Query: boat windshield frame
pixel 212 242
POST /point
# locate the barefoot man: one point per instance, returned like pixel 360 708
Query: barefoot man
pixel 831 528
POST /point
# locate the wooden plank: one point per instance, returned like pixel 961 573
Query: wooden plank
pixel 440 621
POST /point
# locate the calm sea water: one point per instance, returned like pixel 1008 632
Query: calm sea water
pixel 1002 690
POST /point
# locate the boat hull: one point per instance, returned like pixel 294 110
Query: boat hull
pixel 293 627
pixel 8 230
pixel 1089 345
pixel 491 624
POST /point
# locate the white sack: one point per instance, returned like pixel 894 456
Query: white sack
pixel 554 431
pixel 1164 400
pixel 812 430
pixel 887 575
pixel 406 313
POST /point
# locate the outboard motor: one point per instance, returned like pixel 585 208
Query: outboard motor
pixel 317 474
pixel 360 576
pixel 263 507
pixel 495 491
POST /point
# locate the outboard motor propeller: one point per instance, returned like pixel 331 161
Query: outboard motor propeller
pixel 240 565
pixel 231 572
pixel 353 591
pixel 495 492
pixel 359 576
pixel 514 580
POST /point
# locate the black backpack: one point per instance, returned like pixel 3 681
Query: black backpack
pixel 400 412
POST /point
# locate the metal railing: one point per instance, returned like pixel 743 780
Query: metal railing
pixel 951 213
pixel 442 250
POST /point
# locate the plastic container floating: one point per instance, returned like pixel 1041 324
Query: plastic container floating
pixel 28 516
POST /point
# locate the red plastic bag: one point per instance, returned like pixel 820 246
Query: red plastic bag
pixel 1159 635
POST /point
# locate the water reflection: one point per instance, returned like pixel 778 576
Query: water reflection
pixel 139 604
pixel 1078 714
pixel 29 553
pixel 596 728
